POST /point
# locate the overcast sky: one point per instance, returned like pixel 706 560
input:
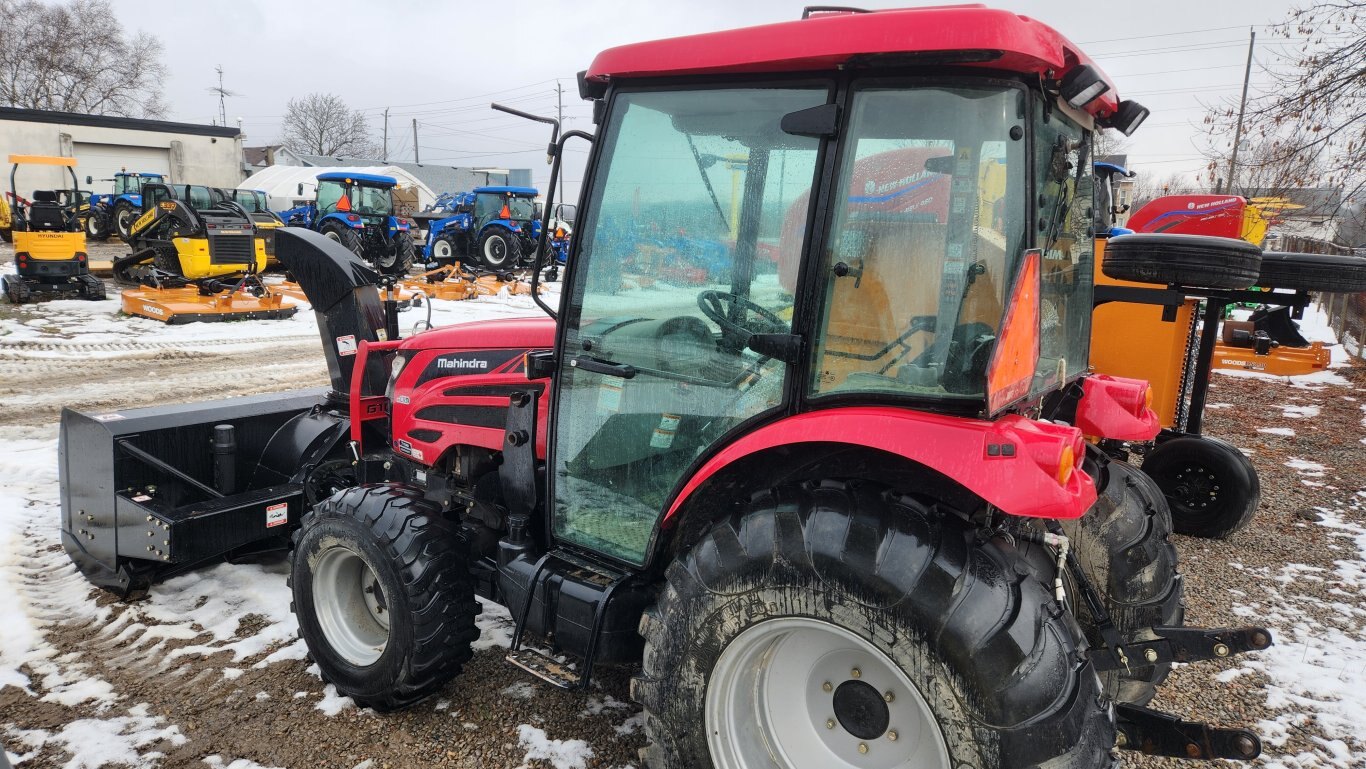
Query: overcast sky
pixel 442 62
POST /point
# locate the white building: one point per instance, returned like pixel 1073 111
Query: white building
pixel 102 145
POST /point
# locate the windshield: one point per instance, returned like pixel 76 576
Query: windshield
pixel 489 205
pixel 335 195
pixel 929 221
pixel 253 201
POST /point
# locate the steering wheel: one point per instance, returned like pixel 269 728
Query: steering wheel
pixel 717 306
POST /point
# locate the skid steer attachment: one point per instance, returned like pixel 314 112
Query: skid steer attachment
pixel 153 491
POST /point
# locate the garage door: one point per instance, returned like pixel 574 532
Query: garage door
pixel 102 161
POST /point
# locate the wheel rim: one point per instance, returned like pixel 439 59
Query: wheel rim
pixel 332 236
pixel 1195 488
pixel 441 250
pixel 495 251
pixel 350 606
pixel 124 216
pixel 798 691
pixel 92 226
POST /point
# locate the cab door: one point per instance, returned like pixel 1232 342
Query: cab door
pixel 699 209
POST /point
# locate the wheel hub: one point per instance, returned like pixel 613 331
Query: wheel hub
pixel 861 710
pixel 350 606
pixel 1196 487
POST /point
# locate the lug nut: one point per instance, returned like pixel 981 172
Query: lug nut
pixel 827 687
pixel 1121 740
pixel 863 747
pixel 829 723
pixel 1193 750
pixel 892 735
pixel 887 696
pixel 856 673
pixel 1150 655
pixel 1221 650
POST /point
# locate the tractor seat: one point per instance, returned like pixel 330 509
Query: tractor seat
pixel 44 213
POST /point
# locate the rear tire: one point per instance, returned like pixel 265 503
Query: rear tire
pixel 346 236
pixel 402 258
pixel 1212 487
pixel 498 249
pixel 1188 260
pixel 977 655
pixel 1123 547
pixel 1329 273
pixel 383 594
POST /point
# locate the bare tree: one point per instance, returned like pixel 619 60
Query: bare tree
pixel 1309 127
pixel 1148 188
pixel 75 57
pixel 1108 142
pixel 322 124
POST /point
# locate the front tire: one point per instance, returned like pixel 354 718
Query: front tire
pixel 443 250
pixel 383 594
pixel 829 616
pixel 96 225
pixel 1123 547
pixel 123 216
pixel 1212 488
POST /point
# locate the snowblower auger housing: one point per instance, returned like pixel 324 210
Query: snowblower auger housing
pixel 785 455
pixel 148 492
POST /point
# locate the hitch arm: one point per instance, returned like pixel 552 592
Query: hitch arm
pixel 1184 644
pixel 1155 733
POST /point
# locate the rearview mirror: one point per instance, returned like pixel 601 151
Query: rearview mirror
pixel 300 189
pixel 89 180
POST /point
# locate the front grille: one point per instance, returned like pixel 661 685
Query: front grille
pixel 231 249
pixel 269 237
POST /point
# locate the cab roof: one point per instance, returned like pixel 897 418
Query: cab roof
pixel 520 191
pixel 341 176
pixel 961 35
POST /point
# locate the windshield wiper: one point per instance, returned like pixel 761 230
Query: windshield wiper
pixel 706 180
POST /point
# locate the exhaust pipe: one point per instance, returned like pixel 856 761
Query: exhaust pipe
pixel 342 290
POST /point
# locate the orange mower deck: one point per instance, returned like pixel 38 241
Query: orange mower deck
pixel 1280 361
pixel 294 291
pixel 188 305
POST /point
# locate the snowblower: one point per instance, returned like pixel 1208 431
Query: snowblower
pixel 49 241
pixel 196 257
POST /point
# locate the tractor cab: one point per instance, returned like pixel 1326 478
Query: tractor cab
pixel 514 205
pixel 366 196
pixel 887 237
pixel 45 227
pixel 357 210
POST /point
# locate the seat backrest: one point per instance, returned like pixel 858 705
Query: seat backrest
pixel 46 215
pixel 44 196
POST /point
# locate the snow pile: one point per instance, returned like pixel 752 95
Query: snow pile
pixel 562 754
pixel 1290 411
pixel 1284 432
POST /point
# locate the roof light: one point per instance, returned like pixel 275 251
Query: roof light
pixel 1082 86
pixel 1128 117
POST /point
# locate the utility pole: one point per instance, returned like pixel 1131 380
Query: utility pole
pixel 559 115
pixel 416 158
pixel 1242 107
pixel 384 154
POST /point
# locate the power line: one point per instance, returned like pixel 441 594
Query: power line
pixel 1161 34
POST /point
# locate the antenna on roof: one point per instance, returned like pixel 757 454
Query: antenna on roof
pixel 223 94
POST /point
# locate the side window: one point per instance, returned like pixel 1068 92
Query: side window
pixel 328 195
pixel 1063 172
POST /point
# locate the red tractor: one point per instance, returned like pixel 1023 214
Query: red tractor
pixel 837 504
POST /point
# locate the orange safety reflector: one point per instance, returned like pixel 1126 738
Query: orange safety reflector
pixel 343 203
pixel 506 213
pixel 42 160
pixel 1016 355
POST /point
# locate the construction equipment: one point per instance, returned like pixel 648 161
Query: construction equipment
pixel 357 211
pixel 851 531
pixel 49 246
pixel 266 222
pixel 195 257
pixel 1175 336
pixel 495 228
pixel 114 212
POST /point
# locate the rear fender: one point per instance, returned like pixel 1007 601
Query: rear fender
pixel 1012 463
pixel 341 219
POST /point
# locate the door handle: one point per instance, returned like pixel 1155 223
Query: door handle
pixel 623 370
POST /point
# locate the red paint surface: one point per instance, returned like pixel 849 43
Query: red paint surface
pixel 1218 215
pixel 823 43
pixel 1115 407
pixel 1024 484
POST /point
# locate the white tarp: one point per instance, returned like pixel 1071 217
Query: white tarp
pixel 281 183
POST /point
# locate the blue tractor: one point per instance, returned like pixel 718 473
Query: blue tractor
pixel 357 210
pixel 494 228
pixel 114 212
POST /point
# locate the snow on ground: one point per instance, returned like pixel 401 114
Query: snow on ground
pixel 1317 667
pixel 1284 432
pixel 562 754
pixel 1315 327
pixel 92 743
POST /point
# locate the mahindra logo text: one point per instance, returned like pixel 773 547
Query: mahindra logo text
pixel 461 363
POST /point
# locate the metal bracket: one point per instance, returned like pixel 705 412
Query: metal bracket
pixel 1184 644
pixel 518 473
pixel 1155 733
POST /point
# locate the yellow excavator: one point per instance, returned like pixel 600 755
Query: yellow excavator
pixel 49 240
